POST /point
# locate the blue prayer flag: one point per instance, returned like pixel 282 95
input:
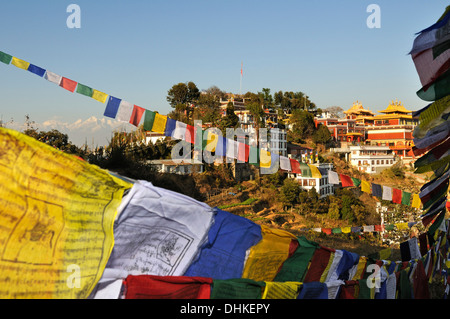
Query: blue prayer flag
pixel 36 70
pixel 170 127
pixel 112 107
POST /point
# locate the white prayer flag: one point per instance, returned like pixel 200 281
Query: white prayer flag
pixel 53 77
pixel 387 193
pixel 285 163
pixel 333 177
pixel 180 131
pixel 124 111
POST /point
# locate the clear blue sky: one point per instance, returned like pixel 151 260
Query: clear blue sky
pixel 136 50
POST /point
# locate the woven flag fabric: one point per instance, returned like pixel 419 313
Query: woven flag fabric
pixel 431 63
pixel 281 290
pixel 333 177
pixel 170 127
pixel 167 287
pixel 53 77
pixel 211 140
pixel 190 134
pixel 416 201
pixel 180 131
pixel 346 180
pixel 387 193
pixel 68 84
pixel 243 152
pixel 295 267
pixel 99 96
pixel 5 58
pixel 265 158
pixel 238 288
pixel 396 196
pixel 285 163
pixel 377 190
pixel 21 64
pixel 266 257
pixel 157 232
pixel 315 173
pixel 253 157
pixel 406 198
pixel 84 90
pixel 365 186
pixel 136 115
pixel 124 112
pixel 159 123
pixel 313 290
pixel 223 255
pixel 58 214
pixel 149 118
pixel 319 263
pixel 295 166
pixel 36 70
pixel 112 107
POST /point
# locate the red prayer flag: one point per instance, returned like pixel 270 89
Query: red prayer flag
pixel 346 180
pixel 319 263
pixel 167 287
pixel 295 166
pixel 190 134
pixel 136 116
pixel 243 152
pixel 68 84
pixel 396 196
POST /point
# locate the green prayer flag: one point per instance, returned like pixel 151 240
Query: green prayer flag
pixel 406 198
pixel 149 118
pixel 5 58
pixel 239 288
pixel 85 90
pixel 405 289
pixel 356 181
pixel 253 157
pixel 439 89
pixel 437 222
pixel 306 171
pixel 336 230
pixel 364 289
pixel 389 227
pixel 296 266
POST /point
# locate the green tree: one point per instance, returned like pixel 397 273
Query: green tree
pixel 302 125
pixel 230 120
pixel 290 192
pixel 322 135
pixel 182 95
pixel 334 208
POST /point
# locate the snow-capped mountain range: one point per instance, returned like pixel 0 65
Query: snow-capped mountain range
pixel 93 131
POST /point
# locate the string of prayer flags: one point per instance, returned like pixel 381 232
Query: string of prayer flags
pixel 124 111
pixel 68 84
pixel 84 90
pixel 53 77
pixel 99 96
pixel 36 70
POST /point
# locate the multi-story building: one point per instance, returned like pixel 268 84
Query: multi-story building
pixel 322 185
pixel 371 159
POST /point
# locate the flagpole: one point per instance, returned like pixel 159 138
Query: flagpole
pixel 240 87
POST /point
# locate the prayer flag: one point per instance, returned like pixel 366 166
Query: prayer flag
pixel 124 112
pixel 387 193
pixel 267 256
pixel 21 64
pixel 170 127
pixel 158 232
pixel 136 115
pixel 376 190
pixel 84 90
pixel 149 118
pixel 313 290
pixel 346 180
pixel 68 84
pixel 58 212
pixel 180 131
pixel 365 186
pixel 112 107
pixel 99 96
pixel 243 152
pixel 356 181
pixel 5 58
pixel 211 141
pixel 221 148
pixel 190 134
pixel 333 177
pixel 285 163
pixel 406 198
pixel 281 290
pixel 36 70
pixel 253 157
pixel 319 263
pixel 223 255
pixel 167 287
pixel 315 173
pixel 238 288
pixel 53 77
pixel 295 166
pixel 306 170
pixel 265 158
pixel 437 90
pixel 416 201
pixel 159 124
pixel 396 196
pixel 232 149
pixel 432 63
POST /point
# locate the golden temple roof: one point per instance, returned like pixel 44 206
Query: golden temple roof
pixel 358 109
pixel 396 107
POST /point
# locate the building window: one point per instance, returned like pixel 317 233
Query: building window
pixel 312 182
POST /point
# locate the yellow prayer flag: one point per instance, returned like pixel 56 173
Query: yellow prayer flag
pixel 315 171
pixel 416 202
pixel 57 215
pixel 385 253
pixel 266 257
pixel 211 142
pixel 265 159
pixel 401 226
pixel 281 290
pixel 159 124
pixel 360 268
pixel 365 186
pixel 99 96
pixel 21 64
pixel 346 230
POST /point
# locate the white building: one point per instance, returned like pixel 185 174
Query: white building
pixel 322 185
pixel 183 168
pixel 371 159
pixel 278 142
